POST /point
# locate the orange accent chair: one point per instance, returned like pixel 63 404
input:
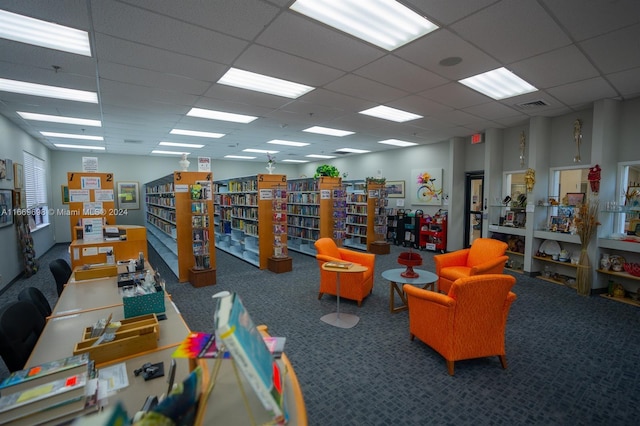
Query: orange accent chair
pixel 469 322
pixel 353 286
pixel 485 256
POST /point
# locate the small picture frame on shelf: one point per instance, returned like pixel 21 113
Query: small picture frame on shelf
pixel 575 198
pixel 509 218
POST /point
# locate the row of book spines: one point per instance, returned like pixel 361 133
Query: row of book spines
pixel 200 234
pixel 200 222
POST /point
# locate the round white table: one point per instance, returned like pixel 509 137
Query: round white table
pixel 425 279
pixel 335 318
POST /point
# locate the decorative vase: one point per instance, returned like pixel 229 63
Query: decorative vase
pixel 605 262
pixel 583 279
pixel 270 167
pixel 410 259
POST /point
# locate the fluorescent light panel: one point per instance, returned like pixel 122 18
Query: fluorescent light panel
pixel 42 33
pixel 287 143
pixel 262 83
pixel 196 133
pixel 159 151
pixel 59 119
pixel 220 115
pixel 260 151
pixel 65 145
pixel 295 161
pixel 240 157
pixel 498 84
pixel 352 150
pixel 392 114
pixel 384 23
pixel 397 142
pixel 181 145
pixel 71 136
pixel 320 156
pixel 45 91
pixel 328 131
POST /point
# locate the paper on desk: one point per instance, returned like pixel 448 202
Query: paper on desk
pixel 115 377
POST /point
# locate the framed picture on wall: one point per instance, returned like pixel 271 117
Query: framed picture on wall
pixel 575 198
pixel 6 207
pixel 395 188
pixel 18 176
pixel 128 195
pixel 64 193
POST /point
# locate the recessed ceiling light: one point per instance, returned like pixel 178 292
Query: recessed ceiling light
pixel 498 84
pixel 260 151
pixel 240 157
pixel 295 161
pixel 45 91
pixel 59 119
pixel 320 156
pixel 181 145
pixel 262 83
pixel 64 145
pixel 391 114
pixel 159 151
pixel 288 143
pixel 397 142
pixel 385 23
pixel 328 131
pixel 72 136
pixel 42 33
pixel 219 115
pixel 352 150
pixel 196 133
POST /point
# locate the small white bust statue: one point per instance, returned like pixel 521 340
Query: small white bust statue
pixel 184 163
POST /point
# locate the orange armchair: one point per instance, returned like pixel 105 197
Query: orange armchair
pixel 469 322
pixel 485 256
pixel 354 286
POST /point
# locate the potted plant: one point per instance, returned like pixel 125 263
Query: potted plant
pixel 326 170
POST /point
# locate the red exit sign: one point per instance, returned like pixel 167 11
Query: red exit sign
pixel 477 138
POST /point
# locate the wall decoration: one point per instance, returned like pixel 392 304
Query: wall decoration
pixel 8 164
pixel 18 176
pixel 3 169
pixel 6 207
pixel 395 188
pixel 64 191
pixel 632 198
pixel 426 187
pixel 575 198
pixel 128 195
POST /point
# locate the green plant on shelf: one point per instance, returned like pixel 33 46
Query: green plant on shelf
pixel 326 170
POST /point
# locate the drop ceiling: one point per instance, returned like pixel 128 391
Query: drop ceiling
pixel 154 60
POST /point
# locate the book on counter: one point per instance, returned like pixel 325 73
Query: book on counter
pixel 50 400
pixel 247 347
pixel 51 370
pixel 337 264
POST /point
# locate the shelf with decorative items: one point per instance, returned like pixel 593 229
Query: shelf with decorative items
pixel 433 232
pixel 280 261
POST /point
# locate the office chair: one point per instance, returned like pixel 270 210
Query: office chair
pixel 20 327
pixel 35 296
pixel 61 272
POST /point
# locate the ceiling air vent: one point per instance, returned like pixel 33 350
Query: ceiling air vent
pixel 538 103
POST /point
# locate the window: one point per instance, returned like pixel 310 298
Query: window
pixel 35 187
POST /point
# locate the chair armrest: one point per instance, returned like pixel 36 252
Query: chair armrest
pixel 454 258
pixel 429 296
pixel 325 258
pixel 364 259
pixel 493 266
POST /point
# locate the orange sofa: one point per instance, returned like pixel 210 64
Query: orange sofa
pixel 353 286
pixel 469 322
pixel 485 256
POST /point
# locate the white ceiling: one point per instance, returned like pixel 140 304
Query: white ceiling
pixel 153 60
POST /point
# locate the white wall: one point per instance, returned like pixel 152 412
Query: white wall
pixel 13 143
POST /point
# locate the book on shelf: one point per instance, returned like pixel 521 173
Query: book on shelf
pixel 338 264
pixel 50 371
pixel 65 395
pixel 247 348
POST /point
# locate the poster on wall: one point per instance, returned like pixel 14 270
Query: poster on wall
pixel 426 187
